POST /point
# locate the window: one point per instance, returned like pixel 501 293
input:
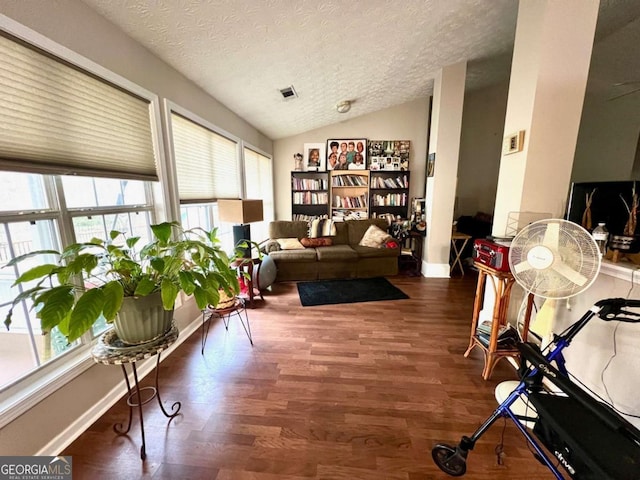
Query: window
pixel 259 185
pixel 207 168
pixel 206 216
pixel 206 162
pixel 62 114
pixel 24 348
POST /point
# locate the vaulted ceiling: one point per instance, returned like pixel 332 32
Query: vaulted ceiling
pixel 376 53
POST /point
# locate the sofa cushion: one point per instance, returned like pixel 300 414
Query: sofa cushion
pixel 306 255
pixel 357 228
pixel 288 229
pixel 290 244
pixel 336 253
pixel 322 227
pixel 374 237
pixel 317 242
pixel 342 234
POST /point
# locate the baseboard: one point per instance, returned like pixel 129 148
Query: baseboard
pixel 75 429
pixel 436 270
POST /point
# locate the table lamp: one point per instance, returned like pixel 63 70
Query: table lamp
pixel 241 213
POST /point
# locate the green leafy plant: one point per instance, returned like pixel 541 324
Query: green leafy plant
pixel 90 280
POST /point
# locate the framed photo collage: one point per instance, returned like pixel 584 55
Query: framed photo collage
pixel 356 154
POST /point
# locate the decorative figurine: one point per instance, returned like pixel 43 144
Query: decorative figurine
pixel 297 157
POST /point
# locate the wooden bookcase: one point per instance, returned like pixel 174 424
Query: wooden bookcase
pixel 389 193
pixel 309 194
pixel 349 193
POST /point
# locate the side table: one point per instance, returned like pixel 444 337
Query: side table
pixel 502 282
pixel 110 350
pixel 247 265
pixel 458 243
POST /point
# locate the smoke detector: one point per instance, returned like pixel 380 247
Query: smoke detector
pixel 343 106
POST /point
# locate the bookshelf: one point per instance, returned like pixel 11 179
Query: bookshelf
pixel 349 194
pixel 389 193
pixel 309 195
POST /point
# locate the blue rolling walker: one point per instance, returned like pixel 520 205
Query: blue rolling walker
pixel 587 437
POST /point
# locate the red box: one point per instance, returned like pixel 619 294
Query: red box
pixel 491 254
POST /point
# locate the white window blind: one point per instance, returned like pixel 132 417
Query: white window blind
pixel 58 119
pixel 206 162
pixel 259 185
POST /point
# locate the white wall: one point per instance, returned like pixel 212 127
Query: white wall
pixel 74 25
pixel 405 122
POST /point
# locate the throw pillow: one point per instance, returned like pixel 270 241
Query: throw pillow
pixel 391 244
pixel 290 244
pixel 322 227
pixel 316 242
pixel 374 237
pixel 270 246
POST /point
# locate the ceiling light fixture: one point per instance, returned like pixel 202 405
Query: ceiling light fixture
pixel 344 106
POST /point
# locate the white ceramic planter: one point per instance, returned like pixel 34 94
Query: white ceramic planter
pixel 141 319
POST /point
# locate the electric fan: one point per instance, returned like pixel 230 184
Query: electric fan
pixel 554 258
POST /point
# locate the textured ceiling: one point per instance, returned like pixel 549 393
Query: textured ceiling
pixel 377 53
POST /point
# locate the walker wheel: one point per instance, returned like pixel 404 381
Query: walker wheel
pixel 449 459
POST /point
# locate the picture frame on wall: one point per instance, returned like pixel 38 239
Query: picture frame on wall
pixel 314 159
pixel 390 154
pixel 431 164
pixel 347 154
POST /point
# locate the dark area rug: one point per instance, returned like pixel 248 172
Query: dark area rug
pixel 329 292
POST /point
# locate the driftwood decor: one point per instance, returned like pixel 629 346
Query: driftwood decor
pixel 586 216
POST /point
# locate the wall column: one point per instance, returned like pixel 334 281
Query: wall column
pixel 551 57
pixel 446 126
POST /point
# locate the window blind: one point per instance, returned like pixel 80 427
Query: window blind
pixel 259 185
pixel 58 119
pixel 206 162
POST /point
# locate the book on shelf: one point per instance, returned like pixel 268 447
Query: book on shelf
pixel 391 183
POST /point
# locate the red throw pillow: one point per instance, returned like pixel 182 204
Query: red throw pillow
pixel 316 242
pixel 391 244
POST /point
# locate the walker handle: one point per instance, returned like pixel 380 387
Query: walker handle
pixel 613 309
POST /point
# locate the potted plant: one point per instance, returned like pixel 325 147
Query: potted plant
pixel 107 278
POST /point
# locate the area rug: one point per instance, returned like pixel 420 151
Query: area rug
pixel 329 292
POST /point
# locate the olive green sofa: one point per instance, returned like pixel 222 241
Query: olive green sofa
pixel 345 258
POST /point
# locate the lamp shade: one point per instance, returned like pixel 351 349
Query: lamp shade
pixel 240 211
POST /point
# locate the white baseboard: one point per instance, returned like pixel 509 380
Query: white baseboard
pixel 435 270
pixel 75 429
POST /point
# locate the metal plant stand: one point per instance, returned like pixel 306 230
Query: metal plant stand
pixel 111 351
pixel 239 309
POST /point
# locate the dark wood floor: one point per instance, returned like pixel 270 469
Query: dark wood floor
pixel 359 391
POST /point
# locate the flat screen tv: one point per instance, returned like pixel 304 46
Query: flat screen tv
pixel 606 206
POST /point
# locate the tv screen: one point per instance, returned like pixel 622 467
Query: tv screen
pixel 606 203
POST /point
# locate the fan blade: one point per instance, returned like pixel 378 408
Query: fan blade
pixel 569 273
pixel 552 236
pixel 522 267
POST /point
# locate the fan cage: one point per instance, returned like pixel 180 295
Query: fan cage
pixel 574 247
